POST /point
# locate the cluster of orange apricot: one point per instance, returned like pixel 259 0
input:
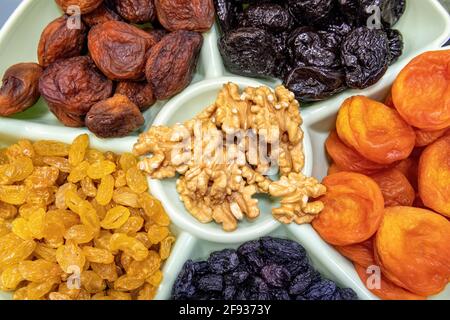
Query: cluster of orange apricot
pixel 388 197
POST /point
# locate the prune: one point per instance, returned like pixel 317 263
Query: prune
pixel 390 11
pixel 100 15
pixel 275 275
pixel 314 84
pixel 307 47
pixel 365 57
pixel 120 50
pixel 60 42
pixel 249 52
pixel 85 6
pixel 350 9
pixel 395 44
pixel 228 12
pixel 223 261
pixel 71 87
pixel 172 62
pixel 20 88
pixel 185 14
pixel 210 282
pixel 114 117
pixel 322 290
pixel 311 11
pixel 268 16
pixel 184 287
pixel 140 93
pixel 136 11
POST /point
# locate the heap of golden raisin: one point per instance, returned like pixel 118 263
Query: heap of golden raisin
pixel 76 223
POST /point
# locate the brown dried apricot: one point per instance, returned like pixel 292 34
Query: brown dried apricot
pixel 396 189
pixel 434 176
pixel 120 50
pixel 85 6
pixel 349 159
pixel 58 41
pixel 136 11
pixel 185 14
pixel 114 117
pixel 140 93
pixel 172 62
pixel 100 15
pixel 73 86
pixel 375 130
pixel 359 253
pixel 20 88
pixel 353 209
pixel 421 91
pixel 413 249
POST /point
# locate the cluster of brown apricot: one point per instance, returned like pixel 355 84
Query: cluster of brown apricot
pixel 388 198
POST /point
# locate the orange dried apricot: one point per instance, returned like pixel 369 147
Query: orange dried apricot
pixel 359 253
pixel 409 167
pixel 349 159
pixel 353 209
pixel 375 130
pixel 396 189
pixel 413 249
pixel 425 137
pixel 434 176
pixel 421 92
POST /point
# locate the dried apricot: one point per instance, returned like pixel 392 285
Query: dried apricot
pixel 396 189
pixel 413 249
pixel 420 92
pixel 359 253
pixel 434 176
pixel 424 137
pixel 353 209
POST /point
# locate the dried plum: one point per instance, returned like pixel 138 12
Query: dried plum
pixel 59 42
pixel 249 52
pixel 311 11
pixel 390 12
pixel 268 16
pixel 210 282
pixel 350 9
pixel 395 44
pixel 365 57
pixel 223 261
pixel 228 13
pixel 114 117
pixel 20 88
pixel 140 93
pixel 120 50
pixel 71 87
pixel 136 11
pixel 314 84
pixel 172 62
pixel 275 275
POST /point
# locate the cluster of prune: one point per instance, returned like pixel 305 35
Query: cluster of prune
pixel 103 70
pixel 318 47
pixel 265 269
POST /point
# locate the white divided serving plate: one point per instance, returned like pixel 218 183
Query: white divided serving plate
pixel 425 26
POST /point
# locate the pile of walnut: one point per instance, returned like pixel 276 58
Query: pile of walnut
pixel 223 190
pixel 102 69
pixel 77 224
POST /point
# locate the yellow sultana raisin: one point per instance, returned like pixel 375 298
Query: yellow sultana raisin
pixel 78 149
pixel 120 179
pixel 92 282
pixel 115 217
pixel 70 257
pixel 79 233
pixel 127 283
pixel 42 177
pixel 7 211
pixel 131 226
pixel 129 245
pixel 125 196
pixel 148 292
pixel 19 169
pixel 4 227
pixel 33 291
pixel 93 156
pixel 136 180
pixel 27 209
pixel 62 164
pixel 145 268
pixel 155 279
pixel 10 278
pixel 36 223
pixel 14 249
pixel 51 148
pixel 166 247
pixel 118 295
pixel 16 194
pixel 43 251
pixel 21 229
pixel 106 271
pixel 88 187
pixel 127 160
pixel 58 296
pixel 105 190
pixel 60 200
pixel 41 197
pixel 78 172
pixel 156 234
pixel 154 210
pixel 97 255
pixel 40 271
pixel 100 169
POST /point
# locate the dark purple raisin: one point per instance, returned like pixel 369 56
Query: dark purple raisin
pixel 282 249
pixel 211 282
pixel 275 275
pixel 279 294
pixel 201 268
pixel 229 292
pixel 345 294
pixel 184 288
pixel 322 290
pixel 224 261
pixel 301 282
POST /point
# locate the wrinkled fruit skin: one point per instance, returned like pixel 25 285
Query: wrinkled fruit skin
pixel 85 6
pixel 140 93
pixel 100 15
pixel 395 44
pixel 71 87
pixel 20 88
pixel 271 17
pixel 249 52
pixel 228 13
pixel 396 189
pixel 120 50
pixel 172 62
pixel 365 57
pixel 136 11
pixel 59 42
pixel 193 15
pixel 314 83
pixel 262 269
pixel 391 10
pixel 114 117
pixel 311 11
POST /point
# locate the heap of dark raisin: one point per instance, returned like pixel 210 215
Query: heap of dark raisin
pixel 318 47
pixel 265 269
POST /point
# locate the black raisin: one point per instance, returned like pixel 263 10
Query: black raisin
pixel 229 292
pixel 211 282
pixel 301 282
pixel 279 294
pixel 201 268
pixel 275 275
pixel 184 288
pixel 322 290
pixel 345 294
pixel 268 16
pixel 365 57
pixel 311 11
pixel 282 249
pixel 395 44
pixel 223 261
